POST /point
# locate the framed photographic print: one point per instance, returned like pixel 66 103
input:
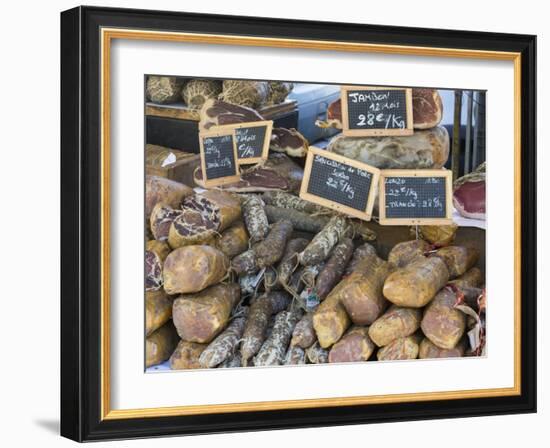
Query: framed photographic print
pixel 390 190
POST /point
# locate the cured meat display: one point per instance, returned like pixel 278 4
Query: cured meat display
pixel 251 274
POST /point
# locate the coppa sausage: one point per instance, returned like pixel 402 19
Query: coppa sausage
pixel 395 323
pixel 334 268
pixel 160 344
pixel 186 356
pixel 330 320
pixel 158 310
pixel 321 245
pixel 361 293
pixel 355 346
pixel 192 268
pixel 403 253
pixel 442 323
pixel 417 283
pixel 458 259
pixel 471 278
pixel 402 348
pixel 200 317
pixel 429 350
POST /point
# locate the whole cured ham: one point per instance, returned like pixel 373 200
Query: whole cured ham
pixel 469 194
pixel 422 150
pixel 427 108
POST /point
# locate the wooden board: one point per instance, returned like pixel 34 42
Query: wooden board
pixel 415 197
pixel 252 140
pixel 181 111
pixel 178 111
pixel 345 185
pixel 218 153
pixel 376 111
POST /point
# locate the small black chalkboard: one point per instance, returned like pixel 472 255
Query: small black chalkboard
pixel 339 183
pixel 252 140
pixel 218 158
pixel 415 197
pixel 376 111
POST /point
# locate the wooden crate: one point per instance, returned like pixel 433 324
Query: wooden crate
pixel 171 163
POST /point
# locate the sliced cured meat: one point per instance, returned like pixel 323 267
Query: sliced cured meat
pixel 162 217
pixel 288 141
pixel 219 207
pixel 218 113
pixel 191 227
pixel 155 254
pixel 277 173
pixel 469 199
pixel 169 192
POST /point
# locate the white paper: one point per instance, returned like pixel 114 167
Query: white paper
pixel 132 388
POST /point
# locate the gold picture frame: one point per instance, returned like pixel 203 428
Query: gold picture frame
pixel 96 418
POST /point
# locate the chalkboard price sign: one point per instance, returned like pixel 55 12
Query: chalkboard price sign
pixel 218 158
pixel 252 140
pixel 339 183
pixel 415 197
pixel 376 111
